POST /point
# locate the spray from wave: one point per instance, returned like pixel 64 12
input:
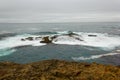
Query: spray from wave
pixel 101 40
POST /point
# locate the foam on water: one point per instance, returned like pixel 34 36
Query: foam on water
pixel 93 56
pixel 104 41
pixel 4 52
pixel 15 41
pixel 7 44
pixel 101 40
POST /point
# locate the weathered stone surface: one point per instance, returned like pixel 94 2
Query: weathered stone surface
pixel 54 37
pixel 58 70
pixel 22 39
pixel 29 38
pixel 46 40
pixel 91 35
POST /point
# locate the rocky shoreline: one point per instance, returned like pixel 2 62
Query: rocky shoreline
pixel 54 38
pixel 51 39
pixel 58 70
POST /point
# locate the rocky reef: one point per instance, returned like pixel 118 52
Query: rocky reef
pixel 49 39
pixel 58 70
pixel 46 40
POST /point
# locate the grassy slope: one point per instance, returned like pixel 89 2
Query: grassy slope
pixel 58 70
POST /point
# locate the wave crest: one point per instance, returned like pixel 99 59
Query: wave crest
pixel 93 56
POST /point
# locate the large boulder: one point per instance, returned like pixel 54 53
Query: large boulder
pixel 46 40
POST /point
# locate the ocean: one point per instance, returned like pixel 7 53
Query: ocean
pixel 91 42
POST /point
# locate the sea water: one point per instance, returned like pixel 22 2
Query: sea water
pixel 104 48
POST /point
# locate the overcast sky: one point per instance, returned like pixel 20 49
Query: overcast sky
pixel 35 11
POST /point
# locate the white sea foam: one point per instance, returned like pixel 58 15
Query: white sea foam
pixel 93 56
pixel 62 32
pixel 15 41
pixel 104 41
pixel 101 40
pixel 4 52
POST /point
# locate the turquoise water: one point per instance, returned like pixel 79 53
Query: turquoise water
pixel 11 49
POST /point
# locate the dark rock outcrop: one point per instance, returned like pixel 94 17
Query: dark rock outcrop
pixel 91 35
pixel 50 39
pixel 71 34
pixel 22 39
pixel 58 70
pixel 74 35
pixel 29 38
pixel 54 37
pixel 46 40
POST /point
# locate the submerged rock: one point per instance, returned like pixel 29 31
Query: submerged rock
pixel 58 70
pixel 29 38
pixel 22 39
pixel 37 38
pixel 79 39
pixel 54 37
pixel 92 35
pixel 46 40
pixel 70 33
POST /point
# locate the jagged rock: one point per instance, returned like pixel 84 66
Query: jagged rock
pixel 79 39
pixel 58 70
pixel 22 39
pixel 70 33
pixel 54 37
pixel 46 40
pixel 37 38
pixel 91 35
pixel 29 38
pixel 74 35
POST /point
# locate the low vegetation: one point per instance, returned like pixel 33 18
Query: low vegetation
pixel 58 70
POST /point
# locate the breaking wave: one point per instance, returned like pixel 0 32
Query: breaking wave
pixel 15 41
pixel 4 52
pixel 93 56
pixel 101 40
